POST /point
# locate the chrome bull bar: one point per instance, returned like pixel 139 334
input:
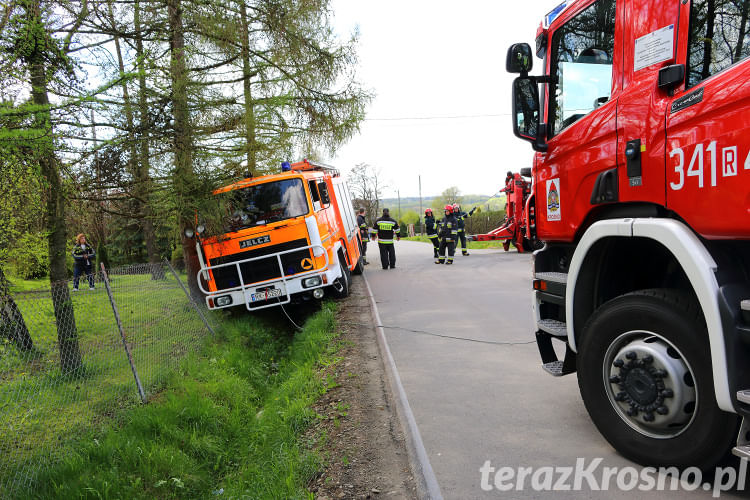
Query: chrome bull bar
pixel 284 278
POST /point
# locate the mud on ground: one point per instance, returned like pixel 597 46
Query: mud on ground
pixel 363 440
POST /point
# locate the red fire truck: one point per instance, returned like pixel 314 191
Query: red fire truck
pixel 641 183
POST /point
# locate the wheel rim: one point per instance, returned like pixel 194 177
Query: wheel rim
pixel 650 384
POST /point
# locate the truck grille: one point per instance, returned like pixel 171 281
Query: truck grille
pixel 261 269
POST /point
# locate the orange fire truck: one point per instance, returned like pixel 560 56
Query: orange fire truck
pixel 641 183
pixel 285 237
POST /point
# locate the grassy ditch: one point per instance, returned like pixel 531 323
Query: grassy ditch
pixel 228 424
pixel 470 244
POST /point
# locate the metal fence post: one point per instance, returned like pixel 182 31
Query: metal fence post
pixel 122 334
pixel 190 297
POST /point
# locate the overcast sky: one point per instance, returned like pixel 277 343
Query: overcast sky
pixel 438 58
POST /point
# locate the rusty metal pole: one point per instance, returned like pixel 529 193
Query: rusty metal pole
pixel 122 334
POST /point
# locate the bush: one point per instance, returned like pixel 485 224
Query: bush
pixel 29 257
pixel 101 257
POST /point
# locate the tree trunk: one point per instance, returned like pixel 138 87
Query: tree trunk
pixel 144 155
pixel 12 325
pixel 184 177
pixel 250 145
pixel 744 12
pixel 67 334
pixel 138 170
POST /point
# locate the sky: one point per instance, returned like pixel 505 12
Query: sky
pixel 430 59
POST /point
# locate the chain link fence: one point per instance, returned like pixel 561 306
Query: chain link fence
pixel 70 360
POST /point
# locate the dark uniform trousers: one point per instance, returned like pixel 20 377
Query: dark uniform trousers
pixel 387 255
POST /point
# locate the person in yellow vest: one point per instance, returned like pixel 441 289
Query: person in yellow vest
pixel 386 229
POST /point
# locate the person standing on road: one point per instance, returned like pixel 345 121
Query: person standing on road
pixel 432 231
pixel 460 218
pixel 364 233
pixel 387 228
pixel 448 232
pixel 83 254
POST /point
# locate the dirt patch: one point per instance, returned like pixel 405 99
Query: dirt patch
pixel 362 438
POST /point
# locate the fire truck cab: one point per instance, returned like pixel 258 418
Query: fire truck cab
pixel 641 184
pixel 282 238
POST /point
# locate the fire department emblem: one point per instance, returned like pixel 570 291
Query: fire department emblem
pixel 553 199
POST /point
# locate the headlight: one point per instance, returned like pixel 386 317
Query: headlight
pixel 200 229
pixel 189 233
pixel 311 282
pixel 224 300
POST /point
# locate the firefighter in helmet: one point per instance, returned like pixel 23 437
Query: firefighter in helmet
pixel 461 218
pixel 448 232
pixel 432 231
pixel 364 234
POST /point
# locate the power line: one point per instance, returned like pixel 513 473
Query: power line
pixel 455 117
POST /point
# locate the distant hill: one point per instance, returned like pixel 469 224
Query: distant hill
pixel 468 201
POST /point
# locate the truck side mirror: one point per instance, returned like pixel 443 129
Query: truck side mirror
pixel 519 59
pixel 525 108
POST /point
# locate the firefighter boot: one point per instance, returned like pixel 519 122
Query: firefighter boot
pixel 440 260
pixel 449 261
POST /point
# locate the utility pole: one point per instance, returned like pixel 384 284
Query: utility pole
pixel 398 194
pixel 421 213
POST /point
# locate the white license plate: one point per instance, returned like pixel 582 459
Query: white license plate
pixel 265 295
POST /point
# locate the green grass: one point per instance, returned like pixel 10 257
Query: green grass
pixel 21 285
pixel 44 412
pixel 470 244
pixel 228 424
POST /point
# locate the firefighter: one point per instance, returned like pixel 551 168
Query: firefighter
pixel 386 228
pixel 432 231
pixel 461 218
pixel 448 232
pixel 364 234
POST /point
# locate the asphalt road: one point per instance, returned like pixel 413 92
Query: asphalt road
pixel 485 399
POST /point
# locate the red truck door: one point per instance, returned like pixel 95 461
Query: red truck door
pixel 649 44
pixel 708 121
pixel 586 80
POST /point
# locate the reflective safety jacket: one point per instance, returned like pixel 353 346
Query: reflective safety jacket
pixel 386 228
pixel 449 228
pixel 430 225
pixel 363 229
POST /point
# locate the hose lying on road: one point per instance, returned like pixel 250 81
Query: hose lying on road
pixel 446 336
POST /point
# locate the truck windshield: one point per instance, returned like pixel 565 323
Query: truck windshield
pixel 263 203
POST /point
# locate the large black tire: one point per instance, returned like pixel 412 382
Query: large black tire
pixel 360 267
pixel 345 281
pixel 677 378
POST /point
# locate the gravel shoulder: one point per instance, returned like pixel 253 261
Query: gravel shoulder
pixel 362 441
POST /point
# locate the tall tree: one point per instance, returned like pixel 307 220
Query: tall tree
pixel 367 188
pixel 29 44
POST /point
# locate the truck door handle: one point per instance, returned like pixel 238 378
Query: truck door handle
pixel 632 149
